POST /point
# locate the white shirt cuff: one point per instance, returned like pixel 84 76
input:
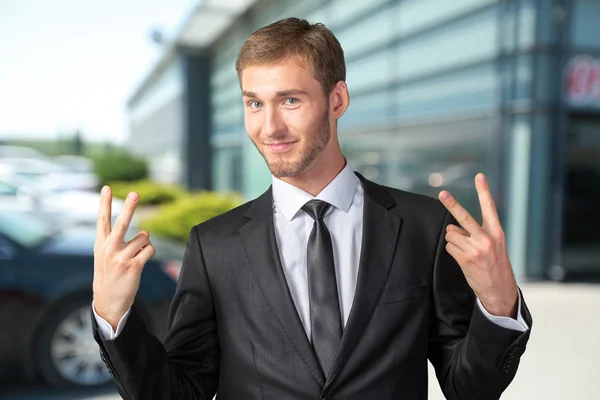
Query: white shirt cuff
pixel 106 330
pixel 518 324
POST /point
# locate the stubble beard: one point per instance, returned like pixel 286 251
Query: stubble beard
pixel 289 169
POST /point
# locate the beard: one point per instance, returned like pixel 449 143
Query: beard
pixel 281 168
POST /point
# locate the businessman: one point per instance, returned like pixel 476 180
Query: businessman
pixel 328 285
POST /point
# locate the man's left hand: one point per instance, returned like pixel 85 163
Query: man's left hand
pixel 481 252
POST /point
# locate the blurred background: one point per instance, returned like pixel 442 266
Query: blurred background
pixel 143 95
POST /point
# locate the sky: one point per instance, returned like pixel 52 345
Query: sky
pixel 73 64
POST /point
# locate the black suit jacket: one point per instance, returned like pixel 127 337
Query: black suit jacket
pixel 234 329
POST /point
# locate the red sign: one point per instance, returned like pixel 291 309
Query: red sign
pixel 583 82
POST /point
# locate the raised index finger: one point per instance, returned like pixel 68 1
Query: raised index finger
pixel 125 216
pixel 463 217
pixel 104 213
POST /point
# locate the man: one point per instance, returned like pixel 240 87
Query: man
pixel 327 285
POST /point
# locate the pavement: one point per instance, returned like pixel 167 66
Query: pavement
pixel 562 360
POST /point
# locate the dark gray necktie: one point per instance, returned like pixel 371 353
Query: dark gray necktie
pixel 325 319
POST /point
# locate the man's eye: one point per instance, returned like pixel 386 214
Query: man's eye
pixel 292 101
pixel 254 104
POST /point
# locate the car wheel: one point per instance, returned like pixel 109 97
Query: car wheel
pixel 68 354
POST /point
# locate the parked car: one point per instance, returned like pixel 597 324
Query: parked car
pixel 9 151
pixel 61 207
pixel 50 175
pixel 45 300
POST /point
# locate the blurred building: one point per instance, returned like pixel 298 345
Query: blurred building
pixel 440 90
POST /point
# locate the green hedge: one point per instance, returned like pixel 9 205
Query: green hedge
pixel 151 193
pixel 175 220
pixel 120 166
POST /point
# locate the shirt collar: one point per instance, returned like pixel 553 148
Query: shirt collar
pixel 289 199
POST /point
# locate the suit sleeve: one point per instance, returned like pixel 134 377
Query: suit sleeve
pixel 186 364
pixel 474 358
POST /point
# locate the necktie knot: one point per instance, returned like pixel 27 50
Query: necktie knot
pixel 316 209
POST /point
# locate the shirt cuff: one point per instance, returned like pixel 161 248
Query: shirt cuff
pixel 518 324
pixel 105 329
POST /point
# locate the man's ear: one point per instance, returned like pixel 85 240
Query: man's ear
pixel 339 100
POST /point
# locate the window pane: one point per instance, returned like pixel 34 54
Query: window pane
pixel 581 215
pixel 224 118
pixel 369 71
pixel 471 89
pixel 425 159
pixel 227 95
pixel 415 15
pixel 227 169
pixel 224 75
pixel 273 11
pixel 586 29
pixel 467 41
pixel 524 77
pixel 321 15
pixel 344 10
pixel 527 16
pixel 368 109
pixel 367 33
pixel 167 87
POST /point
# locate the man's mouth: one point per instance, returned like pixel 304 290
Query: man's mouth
pixel 280 146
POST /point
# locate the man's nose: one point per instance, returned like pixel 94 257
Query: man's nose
pixel 273 121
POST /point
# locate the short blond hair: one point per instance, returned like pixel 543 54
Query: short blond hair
pixel 314 44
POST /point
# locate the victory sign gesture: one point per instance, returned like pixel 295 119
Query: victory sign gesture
pixel 481 252
pixel 117 264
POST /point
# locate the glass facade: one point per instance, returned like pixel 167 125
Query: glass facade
pixel 586 14
pixel 156 122
pixel 405 66
pixel 441 90
pixel 581 215
pixel 425 86
pixel 228 133
pixel 579 242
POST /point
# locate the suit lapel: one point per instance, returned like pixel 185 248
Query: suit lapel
pixel 380 233
pixel 260 245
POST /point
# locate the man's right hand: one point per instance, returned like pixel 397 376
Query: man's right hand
pixel 117 265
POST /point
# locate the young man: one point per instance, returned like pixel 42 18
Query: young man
pixel 327 285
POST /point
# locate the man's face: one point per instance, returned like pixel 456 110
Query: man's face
pixel 286 116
